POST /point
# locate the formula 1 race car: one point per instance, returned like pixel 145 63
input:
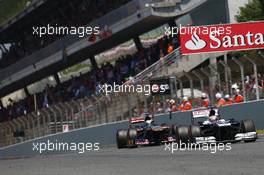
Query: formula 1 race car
pixel 142 132
pixel 208 127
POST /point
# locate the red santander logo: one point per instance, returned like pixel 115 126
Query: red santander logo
pixel 221 38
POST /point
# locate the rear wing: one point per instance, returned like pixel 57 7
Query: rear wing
pixel 134 120
pixel 204 113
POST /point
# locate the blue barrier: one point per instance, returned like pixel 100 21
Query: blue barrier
pixel 105 134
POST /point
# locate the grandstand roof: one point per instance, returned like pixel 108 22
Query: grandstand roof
pixel 118 38
pixel 151 19
pixel 37 13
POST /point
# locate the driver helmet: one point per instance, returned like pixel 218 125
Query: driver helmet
pixel 212 113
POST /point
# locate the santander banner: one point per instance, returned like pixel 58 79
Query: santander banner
pixel 221 38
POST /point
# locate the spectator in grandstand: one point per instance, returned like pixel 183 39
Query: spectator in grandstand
pixel 238 98
pixel 10 102
pixel 185 105
pixel 124 71
pixel 170 49
pixel 45 100
pixel 159 108
pixel 228 100
pixel 262 81
pixel 176 41
pixel 109 73
pixel 173 107
pixel 167 106
pixel 205 100
pixel 2 113
pixel 219 100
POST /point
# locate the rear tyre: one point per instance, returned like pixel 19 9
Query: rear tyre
pixel 183 134
pixel 121 138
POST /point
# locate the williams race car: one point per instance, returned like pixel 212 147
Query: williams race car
pixel 143 131
pixel 208 127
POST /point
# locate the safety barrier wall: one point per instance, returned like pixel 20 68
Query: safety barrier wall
pixel 105 134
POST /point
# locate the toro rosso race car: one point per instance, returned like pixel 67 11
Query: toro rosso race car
pixel 143 131
pixel 208 127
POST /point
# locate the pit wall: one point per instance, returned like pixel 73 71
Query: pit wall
pixel 105 134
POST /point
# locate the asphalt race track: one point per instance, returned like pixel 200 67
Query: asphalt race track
pixel 243 159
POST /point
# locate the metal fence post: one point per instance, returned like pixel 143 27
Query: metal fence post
pixel 34 127
pixel 255 75
pixel 242 75
pixel 228 76
pixel 55 120
pixel 215 72
pixel 36 116
pixel 181 87
pixel 176 86
pixel 171 86
pixel 210 88
pixel 191 83
pixel 199 76
pixel 12 126
pixel 47 121
pixel 31 126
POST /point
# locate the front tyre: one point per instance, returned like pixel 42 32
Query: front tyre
pixel 131 137
pixel 246 127
pixel 195 131
pixel 183 134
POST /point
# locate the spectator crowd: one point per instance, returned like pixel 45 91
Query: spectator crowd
pixel 185 103
pixel 86 85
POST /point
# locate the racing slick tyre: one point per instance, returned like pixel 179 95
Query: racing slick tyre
pixel 121 138
pixel 195 131
pixel 131 137
pixel 173 129
pixel 248 126
pixel 183 134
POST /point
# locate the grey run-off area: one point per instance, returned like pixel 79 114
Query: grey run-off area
pixel 243 159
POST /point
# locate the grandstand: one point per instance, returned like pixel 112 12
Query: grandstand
pixel 76 103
